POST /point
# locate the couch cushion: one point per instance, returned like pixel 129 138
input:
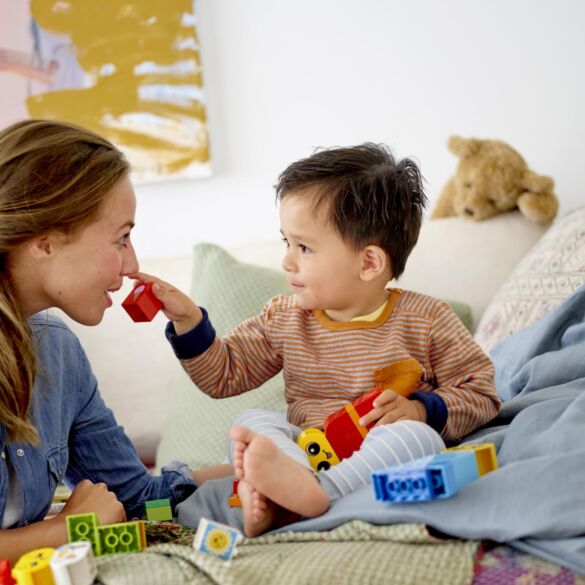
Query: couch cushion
pixel 465 260
pixel 231 291
pixel 553 269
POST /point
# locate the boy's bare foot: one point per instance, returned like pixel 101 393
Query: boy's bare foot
pixel 278 477
pixel 259 512
pixel 238 457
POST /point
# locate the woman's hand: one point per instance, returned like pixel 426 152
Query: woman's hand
pixel 177 306
pixel 391 407
pixel 94 497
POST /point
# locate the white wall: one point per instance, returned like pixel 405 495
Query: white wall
pixel 283 77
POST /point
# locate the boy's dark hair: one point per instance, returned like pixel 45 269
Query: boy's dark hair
pixel 371 197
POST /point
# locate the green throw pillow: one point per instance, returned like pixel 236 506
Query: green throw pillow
pixel 197 427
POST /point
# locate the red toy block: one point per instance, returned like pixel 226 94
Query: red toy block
pixel 342 428
pixel 6 573
pixel 141 304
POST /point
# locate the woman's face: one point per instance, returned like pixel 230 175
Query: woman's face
pixel 86 268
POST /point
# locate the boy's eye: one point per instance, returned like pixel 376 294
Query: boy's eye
pixel 285 242
pixel 304 249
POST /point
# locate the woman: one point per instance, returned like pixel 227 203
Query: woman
pixel 66 212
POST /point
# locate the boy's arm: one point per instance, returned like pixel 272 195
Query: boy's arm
pixel 244 359
pixel 464 376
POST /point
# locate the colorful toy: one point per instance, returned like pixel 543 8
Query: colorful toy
pixel 121 538
pixel 109 539
pixel 141 304
pixel 218 539
pixel 342 433
pixel 73 564
pixel 81 528
pixel 33 568
pixel 234 500
pixel 485 455
pixel 429 478
pixel 159 509
pixel 6 573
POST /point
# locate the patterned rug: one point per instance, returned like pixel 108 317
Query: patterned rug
pixel 503 565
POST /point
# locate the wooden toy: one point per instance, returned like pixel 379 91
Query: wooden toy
pixel 141 304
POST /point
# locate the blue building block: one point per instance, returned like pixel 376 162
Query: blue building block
pixel 429 478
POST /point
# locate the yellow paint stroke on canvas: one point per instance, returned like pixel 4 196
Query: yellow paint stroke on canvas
pixel 142 78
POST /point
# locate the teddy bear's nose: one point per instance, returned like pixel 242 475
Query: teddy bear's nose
pixel 469 211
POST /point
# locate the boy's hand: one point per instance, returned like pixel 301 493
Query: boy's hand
pixel 177 306
pixel 391 407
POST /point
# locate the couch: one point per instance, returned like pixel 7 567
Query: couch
pixel 501 276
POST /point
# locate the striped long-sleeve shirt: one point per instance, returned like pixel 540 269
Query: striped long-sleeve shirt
pixel 327 364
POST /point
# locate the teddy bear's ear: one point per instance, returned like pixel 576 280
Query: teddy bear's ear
pixel 464 147
pixel 536 183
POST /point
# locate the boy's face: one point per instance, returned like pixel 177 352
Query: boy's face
pixel 322 269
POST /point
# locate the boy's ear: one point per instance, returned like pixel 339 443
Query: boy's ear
pixel 375 262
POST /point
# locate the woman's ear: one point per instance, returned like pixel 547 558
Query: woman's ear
pixel 43 247
pixel 374 263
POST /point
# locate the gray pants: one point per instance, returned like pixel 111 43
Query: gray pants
pixel 383 446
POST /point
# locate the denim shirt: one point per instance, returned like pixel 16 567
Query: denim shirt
pixel 79 436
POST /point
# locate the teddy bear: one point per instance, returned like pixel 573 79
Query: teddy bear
pixel 493 178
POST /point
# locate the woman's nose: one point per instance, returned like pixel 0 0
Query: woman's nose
pixel 130 261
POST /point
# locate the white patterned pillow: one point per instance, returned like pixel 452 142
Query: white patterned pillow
pixel 551 271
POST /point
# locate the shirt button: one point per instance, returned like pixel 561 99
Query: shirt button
pixel 20 452
pixel 3 455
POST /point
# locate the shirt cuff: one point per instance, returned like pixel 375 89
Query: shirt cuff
pixel 182 485
pixel 436 409
pixel 193 343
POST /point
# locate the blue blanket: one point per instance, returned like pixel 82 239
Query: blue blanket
pixel 536 500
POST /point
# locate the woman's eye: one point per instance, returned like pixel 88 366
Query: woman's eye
pixel 122 240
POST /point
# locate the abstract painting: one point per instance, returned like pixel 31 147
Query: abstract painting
pixel 129 70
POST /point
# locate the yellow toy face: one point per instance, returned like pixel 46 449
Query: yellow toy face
pixel 318 449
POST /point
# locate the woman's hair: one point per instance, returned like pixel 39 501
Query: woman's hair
pixel 54 177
